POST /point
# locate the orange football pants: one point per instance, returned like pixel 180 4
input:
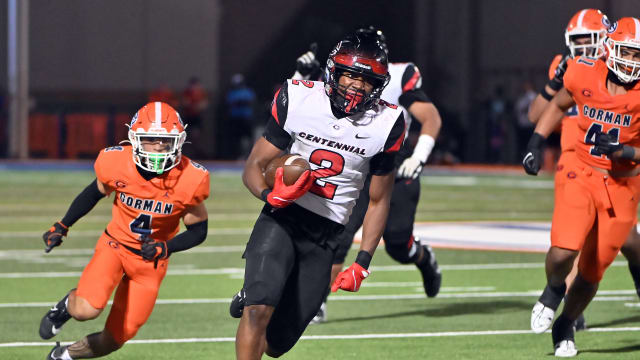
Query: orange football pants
pixel 594 213
pixel 137 280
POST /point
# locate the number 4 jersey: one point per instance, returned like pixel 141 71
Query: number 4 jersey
pixel 599 111
pixel 153 207
pixel 341 151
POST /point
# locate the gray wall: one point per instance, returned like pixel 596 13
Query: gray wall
pixel 122 45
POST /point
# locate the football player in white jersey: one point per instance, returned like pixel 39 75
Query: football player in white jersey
pixel 404 89
pixel 345 131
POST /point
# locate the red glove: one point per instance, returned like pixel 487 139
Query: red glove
pixel 283 195
pixel 350 279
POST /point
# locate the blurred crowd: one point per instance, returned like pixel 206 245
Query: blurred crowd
pixel 223 127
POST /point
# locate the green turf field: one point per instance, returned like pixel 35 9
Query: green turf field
pixel 481 313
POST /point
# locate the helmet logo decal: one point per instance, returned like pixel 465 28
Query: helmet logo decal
pixel 606 22
pixel 612 28
pixel 158 111
pixel 364 66
pixel 134 119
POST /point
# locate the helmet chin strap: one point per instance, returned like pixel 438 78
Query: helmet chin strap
pixel 611 76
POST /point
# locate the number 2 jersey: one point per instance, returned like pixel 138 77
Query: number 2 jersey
pixel 599 111
pixel 341 151
pixel 140 205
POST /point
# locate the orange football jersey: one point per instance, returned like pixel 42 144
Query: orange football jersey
pixel 154 206
pixel 598 110
pixel 569 125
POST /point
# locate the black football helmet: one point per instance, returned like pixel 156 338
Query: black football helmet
pixel 357 54
pixel 377 33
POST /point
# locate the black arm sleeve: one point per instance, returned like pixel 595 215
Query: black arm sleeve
pixel 82 204
pixel 409 97
pixel 274 132
pixel 194 236
pixel 276 135
pixel 383 162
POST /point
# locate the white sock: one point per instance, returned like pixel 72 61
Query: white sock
pixel 65 355
pixel 414 248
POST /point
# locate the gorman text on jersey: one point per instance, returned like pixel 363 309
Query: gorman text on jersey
pixel 605 116
pixel 149 205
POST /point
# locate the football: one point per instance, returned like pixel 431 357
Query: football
pixel 294 165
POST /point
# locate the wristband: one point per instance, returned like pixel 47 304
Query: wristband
pixel 264 194
pixel 545 95
pixel 536 141
pixel 363 259
pixel 628 152
pixel 423 147
pixel 555 84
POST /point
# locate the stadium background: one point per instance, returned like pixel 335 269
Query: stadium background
pixel 104 57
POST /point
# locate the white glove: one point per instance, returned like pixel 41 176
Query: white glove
pixel 412 166
pixel 307 65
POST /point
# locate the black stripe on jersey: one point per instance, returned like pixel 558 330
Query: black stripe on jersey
pixel 382 163
pixel 407 99
pixel 280 105
pixel 411 78
pixel 396 136
pixel 276 135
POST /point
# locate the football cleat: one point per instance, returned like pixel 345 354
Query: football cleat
pixel 56 352
pixel 541 318
pixel 52 322
pixel 566 348
pixel 237 304
pixel 562 335
pixel 431 275
pixel 321 316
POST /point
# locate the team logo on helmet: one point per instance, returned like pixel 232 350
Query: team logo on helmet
pixel 606 22
pixel 134 119
pixel 612 27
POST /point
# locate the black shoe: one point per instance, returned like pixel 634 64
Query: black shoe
pixel 53 320
pixel 581 323
pixel 56 352
pixel 237 304
pixel 431 275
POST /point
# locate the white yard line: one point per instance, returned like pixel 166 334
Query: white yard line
pixel 8 235
pixel 227 271
pixel 610 295
pixel 334 337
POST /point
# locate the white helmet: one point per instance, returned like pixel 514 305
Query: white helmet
pixel 623 35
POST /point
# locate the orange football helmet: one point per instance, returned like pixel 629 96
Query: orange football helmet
pixel 157 122
pixel 622 37
pixel 590 23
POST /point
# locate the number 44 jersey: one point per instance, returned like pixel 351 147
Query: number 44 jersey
pixel 148 207
pixel 341 151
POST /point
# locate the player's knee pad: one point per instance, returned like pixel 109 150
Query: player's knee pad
pixel 401 249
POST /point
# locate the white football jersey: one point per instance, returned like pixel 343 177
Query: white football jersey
pixel 339 150
pixel 399 85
